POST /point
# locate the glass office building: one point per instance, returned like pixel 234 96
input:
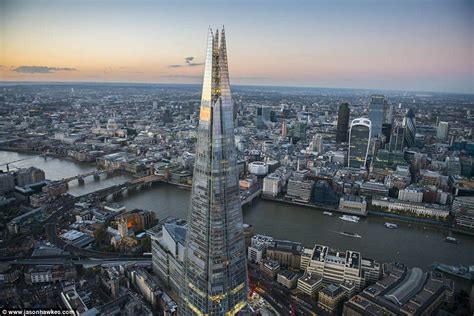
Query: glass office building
pixel 377 109
pixel 215 277
pixel 409 123
pixel 343 123
pixel 359 141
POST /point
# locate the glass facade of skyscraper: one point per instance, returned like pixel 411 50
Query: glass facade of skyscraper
pixel 409 124
pixel 377 109
pixel 215 278
pixel 359 140
pixel 343 123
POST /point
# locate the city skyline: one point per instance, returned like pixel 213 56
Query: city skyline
pixel 419 45
pixel 319 162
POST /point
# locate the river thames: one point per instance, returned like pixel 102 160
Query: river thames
pixel 413 244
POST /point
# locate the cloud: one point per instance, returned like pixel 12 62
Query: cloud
pixel 40 69
pixel 189 62
pixel 251 78
pixel 182 76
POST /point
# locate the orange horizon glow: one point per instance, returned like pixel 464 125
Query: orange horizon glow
pixel 309 44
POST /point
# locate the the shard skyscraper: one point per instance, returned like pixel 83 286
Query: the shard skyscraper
pixel 215 278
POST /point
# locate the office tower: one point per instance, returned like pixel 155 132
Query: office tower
pixel 396 142
pixel 359 140
pixel 273 116
pixel 409 124
pixel 167 116
pixel 235 110
pixel 259 120
pixel 390 115
pixel 453 166
pixel 318 143
pixel 377 114
pixel 343 123
pixel 215 276
pixel 299 132
pixel 443 129
pixel 387 132
pixel 284 129
pixel 266 113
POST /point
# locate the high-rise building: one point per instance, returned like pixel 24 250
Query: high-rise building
pixel 299 132
pixel 377 110
pixel 396 142
pixel 359 140
pixel 409 125
pixel 284 129
pixel 343 123
pixel 318 143
pixel 262 115
pixel 215 271
pixel 443 129
pixel 386 132
pixel 390 115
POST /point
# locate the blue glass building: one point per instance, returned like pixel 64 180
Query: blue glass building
pixel 377 109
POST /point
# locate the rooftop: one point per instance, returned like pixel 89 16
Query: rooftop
pixel 332 290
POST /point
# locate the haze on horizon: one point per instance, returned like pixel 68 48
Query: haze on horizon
pixel 423 45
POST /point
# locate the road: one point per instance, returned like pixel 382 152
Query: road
pixel 84 262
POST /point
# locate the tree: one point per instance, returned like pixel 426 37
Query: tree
pixel 146 244
pixel 100 234
pixel 393 192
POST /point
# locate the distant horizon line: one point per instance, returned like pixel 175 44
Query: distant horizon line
pixel 26 82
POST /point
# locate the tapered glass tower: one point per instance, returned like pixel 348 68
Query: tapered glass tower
pixel 215 277
pixel 409 123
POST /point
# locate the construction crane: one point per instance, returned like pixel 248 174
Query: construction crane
pixel 11 162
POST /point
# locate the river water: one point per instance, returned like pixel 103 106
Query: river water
pixel 413 244
pixel 56 169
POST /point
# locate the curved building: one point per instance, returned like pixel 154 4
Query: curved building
pixel 359 141
pixel 412 284
pixel 409 125
pixel 342 123
pixel 215 269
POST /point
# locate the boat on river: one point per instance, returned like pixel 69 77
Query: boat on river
pixel 451 240
pixel 350 218
pixel 327 213
pixel 353 235
pixel 391 225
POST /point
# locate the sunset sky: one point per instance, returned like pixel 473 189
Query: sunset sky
pixel 425 45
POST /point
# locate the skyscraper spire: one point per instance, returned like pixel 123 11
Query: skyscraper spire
pixel 215 277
